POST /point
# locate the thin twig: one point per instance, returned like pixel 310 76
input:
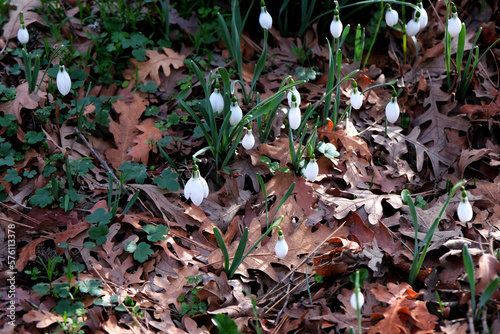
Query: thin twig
pixel 82 137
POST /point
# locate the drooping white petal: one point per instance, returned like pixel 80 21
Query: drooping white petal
pixel 311 171
pixel 217 101
pixel 248 140
pixel 188 188
pixel 23 35
pixel 392 111
pixel 336 27
pixel 454 26
pixel 424 18
pixel 412 27
pixel 197 193
pixel 204 186
pixel 360 301
pixel 294 116
pixel 391 17
pixel 464 210
pixel 63 81
pixel 236 114
pixel 265 19
pixel 295 92
pixel 281 248
pixel 356 99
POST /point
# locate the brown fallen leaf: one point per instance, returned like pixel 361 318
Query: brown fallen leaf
pixel 150 133
pixel 403 312
pixel 150 69
pixel 125 130
pixel 10 28
pixel 363 198
pixel 42 318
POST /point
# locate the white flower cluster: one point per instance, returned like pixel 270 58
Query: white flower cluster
pixel 419 21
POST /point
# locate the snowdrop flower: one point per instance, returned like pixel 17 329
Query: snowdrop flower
pixel 357 303
pixel 294 92
pixel 248 140
pixel 454 23
pixel 236 113
pixel 63 81
pixel 424 18
pixel 294 114
pixel 265 19
pixel 356 96
pixel 336 25
pixel 464 210
pixel 196 187
pixel 216 99
pixel 413 26
pixel 22 34
pixel 391 16
pixel 311 171
pixel 281 248
pixel 392 108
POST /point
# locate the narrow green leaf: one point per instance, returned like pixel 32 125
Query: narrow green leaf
pixel 238 256
pixel 222 246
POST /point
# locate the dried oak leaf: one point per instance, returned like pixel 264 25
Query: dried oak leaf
pixel 404 313
pixel 300 241
pixel 11 28
pixel 371 202
pixel 432 140
pixel 23 100
pixel 348 137
pixel 150 133
pixel 43 318
pixel 151 68
pixel 125 130
pixel 487 271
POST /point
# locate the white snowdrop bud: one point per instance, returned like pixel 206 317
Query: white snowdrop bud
pixel 216 99
pixel 413 26
pixel 356 96
pixel 248 140
pixel 281 248
pixel 265 19
pixel 63 81
pixel 291 92
pixel 294 116
pixel 196 187
pixel 236 113
pixel 336 25
pixel 424 18
pixel 23 35
pixel 464 209
pixel 357 303
pixel 392 109
pixel 311 171
pixel 454 23
pixel 391 16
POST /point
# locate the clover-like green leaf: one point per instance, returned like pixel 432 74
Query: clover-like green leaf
pixel 90 286
pixel 141 251
pixel 12 176
pixel 156 233
pixel 167 180
pixel 328 149
pixel 99 233
pixel 42 197
pixel 99 216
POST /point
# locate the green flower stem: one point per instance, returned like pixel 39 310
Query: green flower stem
pixel 421 251
pixel 376 33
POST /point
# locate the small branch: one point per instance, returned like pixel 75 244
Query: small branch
pixel 82 137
